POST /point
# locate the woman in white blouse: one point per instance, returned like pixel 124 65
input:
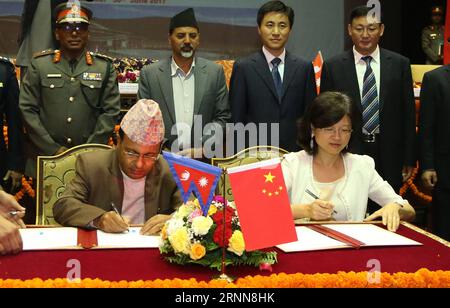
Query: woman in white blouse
pixel 325 181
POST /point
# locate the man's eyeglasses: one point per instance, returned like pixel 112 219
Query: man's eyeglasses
pixel 333 130
pixel 69 28
pixel 146 157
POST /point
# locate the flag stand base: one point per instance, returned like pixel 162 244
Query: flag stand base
pixel 224 277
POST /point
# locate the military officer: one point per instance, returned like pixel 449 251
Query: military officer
pixel 69 96
pixel 433 37
pixel 11 156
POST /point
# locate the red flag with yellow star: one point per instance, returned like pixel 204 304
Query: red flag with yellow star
pixel 262 204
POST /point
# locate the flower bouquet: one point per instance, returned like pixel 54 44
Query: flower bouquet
pixel 191 238
pixel 128 69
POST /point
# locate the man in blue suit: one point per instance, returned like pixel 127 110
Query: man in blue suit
pixel 272 86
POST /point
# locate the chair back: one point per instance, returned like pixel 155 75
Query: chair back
pixel 53 175
pixel 244 157
pixel 419 70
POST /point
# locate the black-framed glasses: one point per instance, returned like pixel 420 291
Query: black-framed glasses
pixel 150 157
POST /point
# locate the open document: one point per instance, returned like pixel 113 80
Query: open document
pixel 74 238
pixel 366 234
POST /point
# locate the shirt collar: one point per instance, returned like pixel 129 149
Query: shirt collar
pixel 270 57
pixel 175 68
pixel 375 55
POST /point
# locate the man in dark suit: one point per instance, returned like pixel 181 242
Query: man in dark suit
pixel 11 156
pixel 190 90
pixel 133 179
pixel 434 137
pixel 272 86
pixel 380 84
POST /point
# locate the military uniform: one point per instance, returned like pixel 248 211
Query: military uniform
pixel 433 43
pixel 66 104
pixel 11 157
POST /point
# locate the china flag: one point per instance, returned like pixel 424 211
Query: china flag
pixel 262 204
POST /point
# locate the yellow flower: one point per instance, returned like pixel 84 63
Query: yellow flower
pixel 237 244
pixel 201 225
pixel 164 232
pixel 180 241
pixel 197 204
pixel 198 251
pixel 212 210
pixel 183 211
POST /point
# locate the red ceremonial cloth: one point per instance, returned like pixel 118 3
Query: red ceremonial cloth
pixel 147 264
pixel 447 35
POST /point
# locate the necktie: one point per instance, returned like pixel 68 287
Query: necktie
pixel 277 78
pixel 370 102
pixel 73 64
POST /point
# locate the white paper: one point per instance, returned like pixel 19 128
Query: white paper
pixel 370 235
pixel 128 88
pixel 49 238
pixel 131 239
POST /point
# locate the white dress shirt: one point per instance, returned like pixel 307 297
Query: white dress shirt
pixel 360 183
pixel 133 205
pixel 183 98
pixel 270 57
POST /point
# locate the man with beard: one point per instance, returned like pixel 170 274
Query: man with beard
pixel 190 90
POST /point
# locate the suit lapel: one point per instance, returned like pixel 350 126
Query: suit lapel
pixel 447 68
pixel 201 77
pixel 116 181
pixel 64 67
pixel 263 71
pixel 352 78
pixel 385 72
pixel 152 186
pixel 83 67
pixel 165 83
pixel 290 68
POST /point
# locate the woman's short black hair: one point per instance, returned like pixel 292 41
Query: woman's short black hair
pixel 326 110
pixel 275 6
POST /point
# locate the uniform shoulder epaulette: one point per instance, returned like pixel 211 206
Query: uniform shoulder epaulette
pixel 44 53
pixel 98 55
pixel 6 60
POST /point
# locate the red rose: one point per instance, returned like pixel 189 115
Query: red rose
pixel 218 217
pixel 218 235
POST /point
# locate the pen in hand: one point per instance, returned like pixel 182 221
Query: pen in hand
pixel 117 212
pixel 315 197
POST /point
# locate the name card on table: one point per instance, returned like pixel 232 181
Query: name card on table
pixel 128 88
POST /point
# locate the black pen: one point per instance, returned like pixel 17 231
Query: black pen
pixel 117 212
pixel 315 197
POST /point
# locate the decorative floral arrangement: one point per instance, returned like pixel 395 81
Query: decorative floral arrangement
pixel 423 278
pixel 128 69
pixel 191 238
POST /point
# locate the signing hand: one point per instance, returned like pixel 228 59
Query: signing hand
pixel 155 224
pixel 111 222
pixel 390 214
pixel 321 210
pixel 8 205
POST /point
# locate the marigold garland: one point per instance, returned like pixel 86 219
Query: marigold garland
pixel 423 278
pixel 409 184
